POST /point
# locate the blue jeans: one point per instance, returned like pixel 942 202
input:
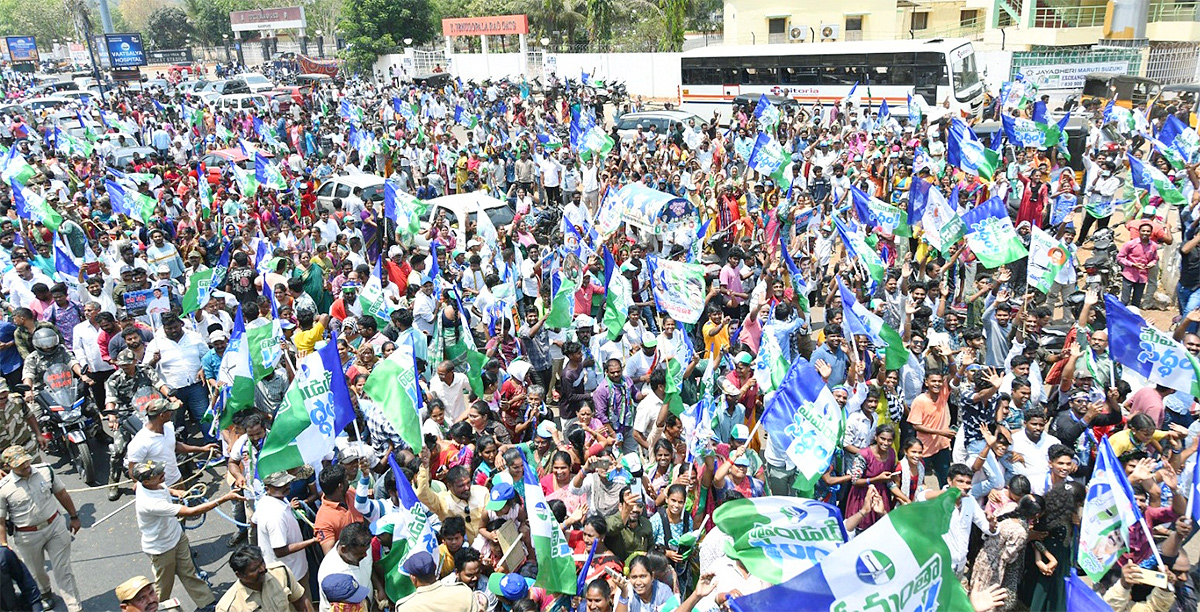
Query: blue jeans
pixel 1189 300
pixel 195 404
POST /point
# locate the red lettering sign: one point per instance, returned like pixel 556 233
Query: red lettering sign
pixel 497 25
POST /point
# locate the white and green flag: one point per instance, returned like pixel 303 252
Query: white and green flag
pixel 198 291
pixel 857 246
pixel 778 537
pixel 373 301
pixel 943 225
pixel 555 563
pixel 1146 176
pixel 267 174
pixel 14 168
pixel 900 564
pixel 245 180
pixel 393 387
pixel 991 235
pixel 414 529
pixel 618 299
pixel 236 373
pixel 1109 512
pixel 266 348
pixel 1047 256
pixel 315 409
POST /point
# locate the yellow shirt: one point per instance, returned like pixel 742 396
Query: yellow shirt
pixel 306 340
pixel 714 343
pixel 1122 442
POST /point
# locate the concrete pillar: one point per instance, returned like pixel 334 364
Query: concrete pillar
pixel 524 47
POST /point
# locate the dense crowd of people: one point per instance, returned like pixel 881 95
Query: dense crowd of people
pixel 138 271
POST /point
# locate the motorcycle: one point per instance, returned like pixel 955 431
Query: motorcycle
pixel 64 419
pixel 1101 267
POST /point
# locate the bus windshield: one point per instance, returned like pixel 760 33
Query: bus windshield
pixel 965 75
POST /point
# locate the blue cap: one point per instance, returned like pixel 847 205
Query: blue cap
pixel 420 564
pixel 509 586
pixel 340 588
pixel 501 493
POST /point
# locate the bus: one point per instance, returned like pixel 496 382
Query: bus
pixel 938 70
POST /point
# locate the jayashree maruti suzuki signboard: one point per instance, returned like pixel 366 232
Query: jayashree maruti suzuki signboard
pixel 125 50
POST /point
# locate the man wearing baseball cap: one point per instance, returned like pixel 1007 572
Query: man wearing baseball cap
pixel 30 496
pixel 163 539
pixel 433 595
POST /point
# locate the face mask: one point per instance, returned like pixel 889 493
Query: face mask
pixel 1106 174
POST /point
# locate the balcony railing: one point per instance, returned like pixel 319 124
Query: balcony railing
pixel 1069 16
pixel 970 28
pixel 1175 11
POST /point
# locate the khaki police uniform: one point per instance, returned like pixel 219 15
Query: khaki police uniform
pixel 41 529
pixel 280 590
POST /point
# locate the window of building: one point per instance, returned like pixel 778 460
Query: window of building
pixel 968 17
pixel 920 21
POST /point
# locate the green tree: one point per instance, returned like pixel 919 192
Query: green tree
pixel 210 18
pixel 675 15
pixel 168 28
pixel 600 17
pixel 375 27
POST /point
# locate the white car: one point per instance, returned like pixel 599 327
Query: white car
pixel 342 186
pixel 243 102
pixel 256 82
pixel 465 206
pixel 663 122
pixel 37 105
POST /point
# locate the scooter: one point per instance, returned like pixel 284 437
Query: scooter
pixel 64 418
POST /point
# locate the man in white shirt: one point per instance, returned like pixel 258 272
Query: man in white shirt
pixel 350 556
pixel 155 441
pixel 591 185
pixel 163 539
pixel 177 353
pixel 279 534
pixel 646 416
pixel 18 283
pixel 450 387
pixel 1032 444
pixel 966 511
pixel 86 348
pixel 425 310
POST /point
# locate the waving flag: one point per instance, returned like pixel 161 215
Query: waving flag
pixel 965 152
pixel 861 321
pixel 769 158
pixel 1146 176
pixel 393 387
pixel 372 300
pixel 991 235
pixel 1181 137
pixel 1169 153
pixel 464 118
pixel 315 409
pixel 581 123
pixel 777 537
pixel 678 288
pixel 34 207
pixel 246 181
pixel 266 347
pixel 766 113
pixel 804 422
pixel 555 563
pixel 877 213
pixel 267 174
pixel 1153 354
pixel 407 111
pixel 562 304
pixel 857 246
pixel 1109 511
pixel 198 292
pixel 1121 116
pixel 774 353
pixel 799 287
pixel 1026 133
pixel 404 209
pixel 236 375
pixel 14 168
pixel 901 563
pixel 618 297
pixel 414 529
pixel 914 110
pixel 1046 257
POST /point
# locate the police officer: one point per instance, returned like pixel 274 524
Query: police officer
pixel 30 497
pixel 121 390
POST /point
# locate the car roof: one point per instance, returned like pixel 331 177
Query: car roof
pixel 358 180
pixel 131 150
pixel 468 202
pixel 235 155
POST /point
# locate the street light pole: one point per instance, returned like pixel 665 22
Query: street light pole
pixel 225 41
pixel 320 44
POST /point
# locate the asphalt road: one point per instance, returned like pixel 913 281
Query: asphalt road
pixel 107 551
